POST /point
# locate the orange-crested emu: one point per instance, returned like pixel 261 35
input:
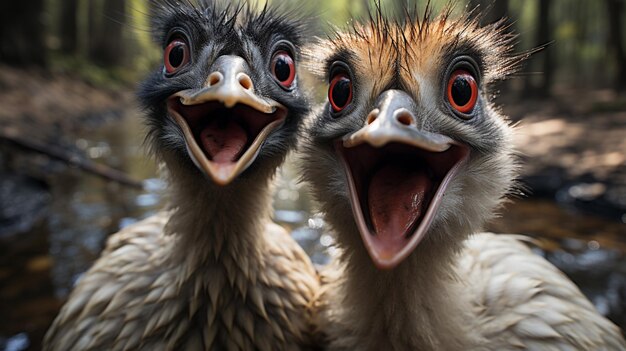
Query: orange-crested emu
pixel 213 272
pixel 408 158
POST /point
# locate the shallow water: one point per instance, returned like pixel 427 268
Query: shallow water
pixel 39 265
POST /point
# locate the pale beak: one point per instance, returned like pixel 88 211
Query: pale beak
pixel 392 132
pixel 393 121
pixel 228 94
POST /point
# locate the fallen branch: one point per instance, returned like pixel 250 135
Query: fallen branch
pixel 71 158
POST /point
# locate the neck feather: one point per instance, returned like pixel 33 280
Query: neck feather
pixel 214 223
pixel 417 305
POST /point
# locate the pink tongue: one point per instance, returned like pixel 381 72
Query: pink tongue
pixel 396 199
pixel 223 144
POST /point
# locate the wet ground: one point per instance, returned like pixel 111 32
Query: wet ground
pixel 61 216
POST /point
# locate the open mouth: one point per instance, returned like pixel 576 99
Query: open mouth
pixel 224 141
pixel 395 192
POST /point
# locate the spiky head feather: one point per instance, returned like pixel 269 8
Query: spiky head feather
pixel 214 29
pixel 389 49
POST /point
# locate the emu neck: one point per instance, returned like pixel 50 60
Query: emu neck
pixel 214 223
pixel 417 305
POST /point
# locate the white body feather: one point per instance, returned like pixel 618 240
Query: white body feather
pixel 211 274
pixel 498 296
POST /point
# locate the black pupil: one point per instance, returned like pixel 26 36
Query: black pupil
pixel 341 92
pixel 177 55
pixel 461 91
pixel 282 69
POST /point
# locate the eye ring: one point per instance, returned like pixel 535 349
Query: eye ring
pixel 462 91
pixel 283 68
pixel 471 67
pixel 340 99
pixel 176 55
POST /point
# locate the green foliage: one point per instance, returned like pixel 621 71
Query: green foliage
pixel 147 55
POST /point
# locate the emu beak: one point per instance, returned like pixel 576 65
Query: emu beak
pixel 397 175
pixel 225 122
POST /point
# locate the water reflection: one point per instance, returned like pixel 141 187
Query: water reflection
pixel 29 202
pixel 39 268
pixel 292 209
pixel 589 249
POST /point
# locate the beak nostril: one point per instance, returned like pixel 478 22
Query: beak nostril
pixel 372 116
pixel 214 78
pixel 245 81
pixel 405 118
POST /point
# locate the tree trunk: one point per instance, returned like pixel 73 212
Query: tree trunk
pixel 544 34
pixel 69 25
pixel 615 8
pixel 489 11
pixel 94 10
pixel 106 27
pixel 498 11
pixel 21 32
pixel 541 61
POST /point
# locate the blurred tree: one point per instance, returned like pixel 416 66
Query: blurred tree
pixel 21 32
pixel 490 10
pixel 615 10
pixel 68 31
pixel 544 35
pixel 106 28
pixel 542 60
pixel 399 7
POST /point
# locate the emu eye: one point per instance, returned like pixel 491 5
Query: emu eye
pixel 176 55
pixel 284 68
pixel 340 92
pixel 462 91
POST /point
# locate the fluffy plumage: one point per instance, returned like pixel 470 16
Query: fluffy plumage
pixel 454 291
pixel 212 272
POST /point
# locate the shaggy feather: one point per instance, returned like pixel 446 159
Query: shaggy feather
pixel 454 291
pixel 212 272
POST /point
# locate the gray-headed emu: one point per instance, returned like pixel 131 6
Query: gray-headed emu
pixel 212 272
